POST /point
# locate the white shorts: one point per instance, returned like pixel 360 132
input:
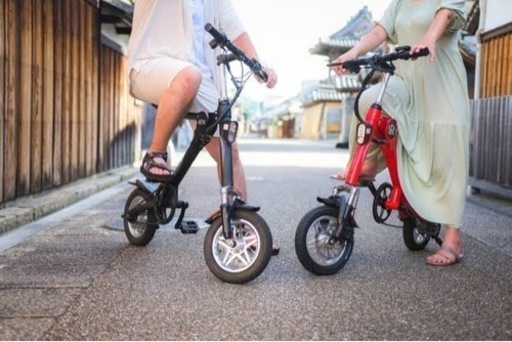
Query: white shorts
pixel 154 76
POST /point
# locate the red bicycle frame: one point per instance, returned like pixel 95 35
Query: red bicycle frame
pixel 382 130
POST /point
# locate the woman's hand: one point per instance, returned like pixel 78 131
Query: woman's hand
pixel 338 69
pixel 425 43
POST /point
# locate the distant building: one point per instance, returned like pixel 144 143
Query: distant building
pixel 328 106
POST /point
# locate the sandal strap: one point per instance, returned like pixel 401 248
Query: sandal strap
pixel 446 256
pixel 153 155
pixel 449 250
pixel 148 162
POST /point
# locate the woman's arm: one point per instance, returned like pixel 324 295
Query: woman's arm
pixel 436 30
pixel 369 42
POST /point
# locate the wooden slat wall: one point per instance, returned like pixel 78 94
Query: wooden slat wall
pixel 491 141
pixel 11 96
pixel 59 121
pixel 25 108
pixel 497 66
pixel 58 93
pixel 2 93
pixel 48 74
pixel 119 135
pixel 491 147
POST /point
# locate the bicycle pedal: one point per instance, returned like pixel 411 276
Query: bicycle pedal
pixel 189 227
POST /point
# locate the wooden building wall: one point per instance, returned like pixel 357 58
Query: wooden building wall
pixel 65 112
pixel 312 121
pixel 491 139
pixel 496 78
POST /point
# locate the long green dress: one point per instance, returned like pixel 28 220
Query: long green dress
pixel 430 102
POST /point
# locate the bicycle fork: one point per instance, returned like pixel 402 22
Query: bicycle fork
pixel 228 131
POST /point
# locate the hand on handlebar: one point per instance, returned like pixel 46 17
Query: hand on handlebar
pixel 425 45
pixel 271 77
pixel 339 69
pixel 263 74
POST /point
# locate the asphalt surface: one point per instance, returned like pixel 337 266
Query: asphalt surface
pixel 72 275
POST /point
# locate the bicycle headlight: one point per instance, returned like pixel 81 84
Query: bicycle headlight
pixel 364 131
pixel 229 130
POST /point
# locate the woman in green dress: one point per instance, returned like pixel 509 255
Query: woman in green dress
pixel 429 99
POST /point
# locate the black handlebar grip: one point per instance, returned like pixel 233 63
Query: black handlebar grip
pixel 263 75
pixel 257 68
pixel 421 53
pixel 219 36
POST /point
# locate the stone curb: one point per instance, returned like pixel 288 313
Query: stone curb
pixel 27 209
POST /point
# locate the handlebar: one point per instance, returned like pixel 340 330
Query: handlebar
pixel 220 40
pixel 378 62
pixel 381 62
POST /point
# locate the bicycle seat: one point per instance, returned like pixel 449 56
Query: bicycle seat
pixel 193 116
pixel 190 115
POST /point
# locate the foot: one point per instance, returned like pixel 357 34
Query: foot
pixel 154 167
pixel 368 171
pixel 445 256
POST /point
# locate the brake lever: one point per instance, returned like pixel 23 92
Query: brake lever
pixel 226 58
pixel 258 70
pixel 354 69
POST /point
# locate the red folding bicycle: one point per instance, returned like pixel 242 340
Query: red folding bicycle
pixel 324 237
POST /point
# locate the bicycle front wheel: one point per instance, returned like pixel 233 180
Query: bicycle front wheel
pixel 244 257
pixel 316 247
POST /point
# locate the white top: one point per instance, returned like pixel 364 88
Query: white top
pixel 199 37
pixel 164 28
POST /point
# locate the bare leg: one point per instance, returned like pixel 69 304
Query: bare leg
pixel 172 108
pixel 239 182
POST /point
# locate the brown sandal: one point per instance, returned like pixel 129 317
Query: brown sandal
pixel 148 162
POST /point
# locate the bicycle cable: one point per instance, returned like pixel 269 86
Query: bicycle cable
pixel 239 83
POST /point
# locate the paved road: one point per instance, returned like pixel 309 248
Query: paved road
pixel 77 278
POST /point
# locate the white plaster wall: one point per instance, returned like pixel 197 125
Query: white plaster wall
pixel 498 13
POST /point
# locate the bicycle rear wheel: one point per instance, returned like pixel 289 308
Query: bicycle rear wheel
pixel 140 223
pixel 413 238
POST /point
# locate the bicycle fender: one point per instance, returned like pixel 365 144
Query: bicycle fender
pixel 217 214
pixel 330 202
pixel 247 207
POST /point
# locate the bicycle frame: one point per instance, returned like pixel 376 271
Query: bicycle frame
pixel 227 130
pixel 207 123
pixel 382 130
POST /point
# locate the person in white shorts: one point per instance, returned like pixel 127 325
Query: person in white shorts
pixel 172 66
